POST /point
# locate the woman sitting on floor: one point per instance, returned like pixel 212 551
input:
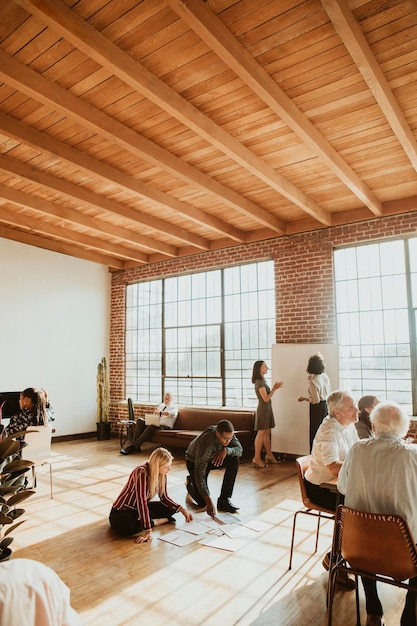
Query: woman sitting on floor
pixel 133 511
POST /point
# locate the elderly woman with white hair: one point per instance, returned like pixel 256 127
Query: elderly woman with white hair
pixel 380 476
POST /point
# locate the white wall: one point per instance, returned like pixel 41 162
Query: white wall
pixel 289 363
pixel 54 329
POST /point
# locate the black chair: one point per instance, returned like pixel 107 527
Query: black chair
pixel 371 545
pixel 127 426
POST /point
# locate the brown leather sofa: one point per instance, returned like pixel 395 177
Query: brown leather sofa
pixel 191 421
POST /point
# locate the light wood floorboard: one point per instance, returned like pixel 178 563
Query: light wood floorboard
pixel 115 582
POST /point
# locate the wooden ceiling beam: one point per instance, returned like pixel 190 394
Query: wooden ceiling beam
pixel 48 244
pixel 36 139
pixel 358 48
pixel 65 234
pixel 77 192
pixel 212 31
pixel 75 217
pixel 96 46
pixel 30 82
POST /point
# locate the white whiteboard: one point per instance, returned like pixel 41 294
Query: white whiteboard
pixel 289 363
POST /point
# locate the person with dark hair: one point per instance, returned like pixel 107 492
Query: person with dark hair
pixel 264 419
pixel 33 411
pixel 134 511
pixel 318 390
pixel 363 425
pixel 379 475
pixel 215 448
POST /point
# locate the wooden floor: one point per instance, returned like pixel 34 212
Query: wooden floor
pixel 115 582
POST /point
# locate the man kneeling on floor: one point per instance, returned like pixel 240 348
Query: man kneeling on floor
pixel 216 448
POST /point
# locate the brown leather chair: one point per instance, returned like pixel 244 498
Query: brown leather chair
pixel 372 545
pixel 311 508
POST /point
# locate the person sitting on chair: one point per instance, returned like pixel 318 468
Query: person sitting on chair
pixel 168 413
pixel 33 411
pixel 379 475
pixel 363 425
pixel 333 440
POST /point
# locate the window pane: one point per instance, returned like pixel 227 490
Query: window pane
pixel 176 336
pixel 373 328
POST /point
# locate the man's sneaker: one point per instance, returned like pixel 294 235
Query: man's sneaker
pixel 226 505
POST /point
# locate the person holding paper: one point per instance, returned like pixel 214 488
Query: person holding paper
pixel 134 511
pixel 168 413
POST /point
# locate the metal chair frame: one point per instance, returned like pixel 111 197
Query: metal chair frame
pixel 311 508
pixel 371 545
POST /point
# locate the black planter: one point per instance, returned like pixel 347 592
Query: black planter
pixel 103 431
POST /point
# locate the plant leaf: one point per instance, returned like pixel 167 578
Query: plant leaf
pixel 11 528
pixel 8 447
pixel 5 519
pixel 8 489
pixel 17 465
pixel 20 496
pixel 15 513
pixel 5 542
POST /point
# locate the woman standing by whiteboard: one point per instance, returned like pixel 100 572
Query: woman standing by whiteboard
pixel 318 390
pixel 264 420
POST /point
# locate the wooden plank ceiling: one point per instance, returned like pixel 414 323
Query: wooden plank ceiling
pixel 136 131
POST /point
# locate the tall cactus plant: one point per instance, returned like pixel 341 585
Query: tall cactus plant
pixel 103 391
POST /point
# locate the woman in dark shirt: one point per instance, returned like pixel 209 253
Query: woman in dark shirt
pixel 363 425
pixel 33 411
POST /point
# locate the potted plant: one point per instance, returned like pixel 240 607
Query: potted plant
pixel 12 490
pixel 103 401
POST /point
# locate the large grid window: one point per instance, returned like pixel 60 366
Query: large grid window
pixel 198 335
pixel 376 298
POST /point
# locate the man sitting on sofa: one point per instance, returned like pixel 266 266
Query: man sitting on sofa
pixel 168 413
pixel 216 448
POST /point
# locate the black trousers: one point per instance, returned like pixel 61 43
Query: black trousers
pixel 144 433
pixel 323 496
pixel 230 465
pixel 317 414
pixel 125 521
pixel 374 606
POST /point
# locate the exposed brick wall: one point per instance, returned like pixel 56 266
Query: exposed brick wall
pixel 303 282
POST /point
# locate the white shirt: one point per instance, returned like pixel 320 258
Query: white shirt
pixel 32 594
pixel 380 476
pixel 318 387
pixel 331 444
pixel 167 420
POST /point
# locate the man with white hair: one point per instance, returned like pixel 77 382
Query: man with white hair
pixel 380 476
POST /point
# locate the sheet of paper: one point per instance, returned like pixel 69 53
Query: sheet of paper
pixel 228 518
pixel 223 543
pixel 257 525
pixel 179 538
pixel 238 530
pixel 196 528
